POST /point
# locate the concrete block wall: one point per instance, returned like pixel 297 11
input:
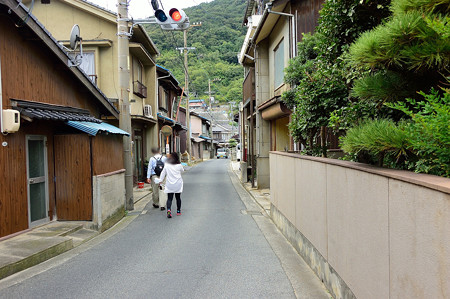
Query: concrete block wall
pixel 108 196
pixel 366 232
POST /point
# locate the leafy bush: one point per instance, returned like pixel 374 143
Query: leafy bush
pixel 319 90
pixel 342 21
pixel 429 131
pixel 421 143
pixel 320 75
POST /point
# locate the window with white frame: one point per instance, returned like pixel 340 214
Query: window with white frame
pixel 279 64
pixel 87 64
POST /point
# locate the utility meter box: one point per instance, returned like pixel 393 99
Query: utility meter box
pixel 11 121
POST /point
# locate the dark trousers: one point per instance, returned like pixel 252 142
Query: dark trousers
pixel 170 198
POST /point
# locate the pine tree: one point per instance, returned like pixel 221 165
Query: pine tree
pixel 409 53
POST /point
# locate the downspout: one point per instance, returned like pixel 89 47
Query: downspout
pixel 293 29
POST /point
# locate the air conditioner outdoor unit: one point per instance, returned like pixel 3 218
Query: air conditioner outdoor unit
pixel 11 121
pixel 148 111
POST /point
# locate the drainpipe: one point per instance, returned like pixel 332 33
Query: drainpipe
pixel 293 29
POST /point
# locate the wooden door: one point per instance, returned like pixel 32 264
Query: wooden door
pixel 73 177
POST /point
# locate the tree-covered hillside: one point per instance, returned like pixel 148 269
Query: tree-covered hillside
pixel 217 43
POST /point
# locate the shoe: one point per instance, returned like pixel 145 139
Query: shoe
pixel 178 213
pixel 163 208
pixel 169 214
pixel 155 206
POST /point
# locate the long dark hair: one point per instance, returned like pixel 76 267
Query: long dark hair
pixel 174 158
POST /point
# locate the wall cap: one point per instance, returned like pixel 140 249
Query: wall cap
pixel 110 173
pixel 426 180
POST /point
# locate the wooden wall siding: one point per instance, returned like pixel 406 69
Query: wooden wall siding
pixel 107 154
pixel 13 177
pixel 30 72
pixel 73 177
pixel 307 15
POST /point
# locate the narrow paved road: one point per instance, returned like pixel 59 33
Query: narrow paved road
pixel 212 251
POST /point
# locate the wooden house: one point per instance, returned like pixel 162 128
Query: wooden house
pixel 63 163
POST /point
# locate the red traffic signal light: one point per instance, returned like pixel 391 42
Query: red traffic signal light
pixel 177 15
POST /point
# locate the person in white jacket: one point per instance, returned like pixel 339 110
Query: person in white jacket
pixel 174 182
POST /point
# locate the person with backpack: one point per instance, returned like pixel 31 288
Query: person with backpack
pixel 155 168
pixel 174 182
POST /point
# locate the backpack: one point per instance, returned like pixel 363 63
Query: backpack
pixel 159 166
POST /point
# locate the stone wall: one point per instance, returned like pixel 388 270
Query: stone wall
pixel 366 232
pixel 108 199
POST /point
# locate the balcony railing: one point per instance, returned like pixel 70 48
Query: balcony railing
pixel 139 89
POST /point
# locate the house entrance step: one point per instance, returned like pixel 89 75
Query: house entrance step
pixel 27 250
pixel 40 244
pixel 83 235
pixel 56 229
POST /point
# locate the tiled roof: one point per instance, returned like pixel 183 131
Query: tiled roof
pixel 35 110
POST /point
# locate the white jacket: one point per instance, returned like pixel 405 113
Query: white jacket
pixel 172 174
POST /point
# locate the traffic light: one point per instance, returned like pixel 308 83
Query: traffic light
pixel 179 19
pixel 177 15
pixel 176 19
pixel 163 20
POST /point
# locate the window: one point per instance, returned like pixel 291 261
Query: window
pixel 163 100
pixel 279 65
pixel 166 100
pixel 175 107
pixel 87 64
pixel 139 88
pixel 137 70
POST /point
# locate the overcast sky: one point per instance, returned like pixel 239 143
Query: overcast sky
pixel 142 8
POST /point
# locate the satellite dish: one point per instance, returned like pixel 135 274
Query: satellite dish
pixel 75 41
pixel 75 37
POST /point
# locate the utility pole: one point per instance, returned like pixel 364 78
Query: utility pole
pixel 124 103
pixel 211 154
pixel 186 88
pixel 186 84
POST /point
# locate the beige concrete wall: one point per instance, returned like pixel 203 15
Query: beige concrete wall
pixel 378 233
pixel 108 196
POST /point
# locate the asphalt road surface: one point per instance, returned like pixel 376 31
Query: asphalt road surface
pixel 212 251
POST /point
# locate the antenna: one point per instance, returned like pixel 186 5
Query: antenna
pixel 75 41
